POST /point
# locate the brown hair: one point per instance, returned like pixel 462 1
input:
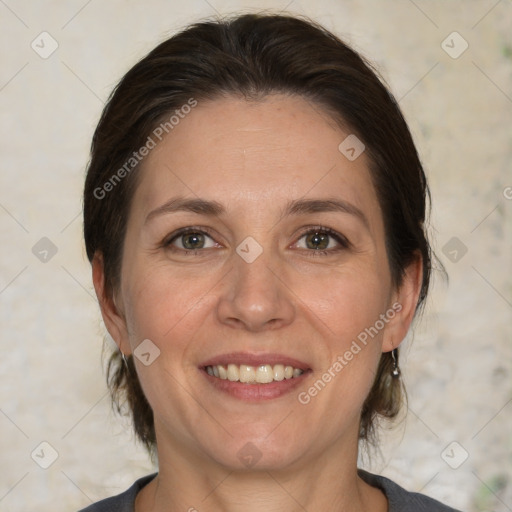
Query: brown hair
pixel 252 56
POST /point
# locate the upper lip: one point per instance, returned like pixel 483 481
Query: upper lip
pixel 253 359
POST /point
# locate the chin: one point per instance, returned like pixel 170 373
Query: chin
pixel 253 453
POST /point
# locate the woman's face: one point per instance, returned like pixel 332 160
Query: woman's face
pixel 251 285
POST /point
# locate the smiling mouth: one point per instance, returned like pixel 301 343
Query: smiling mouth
pixel 261 374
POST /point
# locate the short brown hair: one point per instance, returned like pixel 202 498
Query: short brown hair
pixel 251 56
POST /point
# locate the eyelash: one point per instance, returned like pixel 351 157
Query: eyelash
pixel 344 243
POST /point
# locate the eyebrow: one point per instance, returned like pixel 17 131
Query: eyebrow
pixel 294 207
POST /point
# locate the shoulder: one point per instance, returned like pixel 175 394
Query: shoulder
pixel 401 500
pixel 123 502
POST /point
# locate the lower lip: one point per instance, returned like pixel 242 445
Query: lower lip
pixel 255 392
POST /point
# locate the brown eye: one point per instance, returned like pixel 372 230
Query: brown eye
pixel 192 240
pixel 318 240
pixel 189 239
pixel 324 241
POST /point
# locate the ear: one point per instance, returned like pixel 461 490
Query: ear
pixel 113 318
pixel 403 302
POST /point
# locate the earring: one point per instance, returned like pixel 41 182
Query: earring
pixel 125 361
pixel 395 372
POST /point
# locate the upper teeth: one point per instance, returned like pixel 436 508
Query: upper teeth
pixel 262 374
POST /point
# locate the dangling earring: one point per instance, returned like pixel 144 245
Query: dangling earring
pixel 395 372
pixel 125 361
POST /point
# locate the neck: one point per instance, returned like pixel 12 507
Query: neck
pixel 190 482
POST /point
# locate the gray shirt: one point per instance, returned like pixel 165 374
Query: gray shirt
pixel 399 499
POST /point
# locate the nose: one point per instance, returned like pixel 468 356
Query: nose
pixel 255 296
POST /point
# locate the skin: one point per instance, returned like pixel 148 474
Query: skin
pixel 253 157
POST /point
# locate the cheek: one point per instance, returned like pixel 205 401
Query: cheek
pixel 161 304
pixel 347 300
pixel 351 347
pixel 349 305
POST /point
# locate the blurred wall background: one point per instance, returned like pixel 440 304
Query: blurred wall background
pixel 449 65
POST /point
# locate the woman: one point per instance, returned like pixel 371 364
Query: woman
pixel 254 214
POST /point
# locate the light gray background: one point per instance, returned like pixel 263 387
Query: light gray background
pixel 458 367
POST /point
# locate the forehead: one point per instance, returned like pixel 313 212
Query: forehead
pixel 255 156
